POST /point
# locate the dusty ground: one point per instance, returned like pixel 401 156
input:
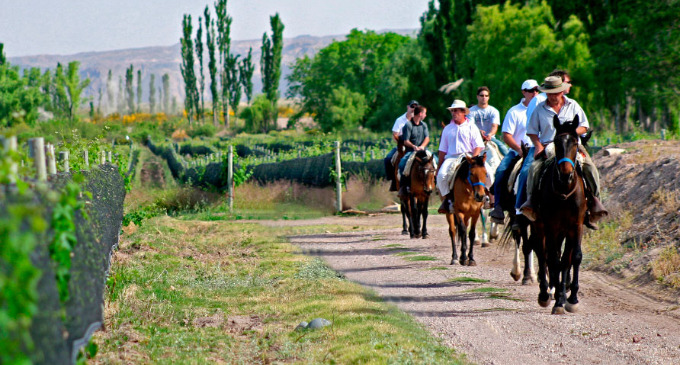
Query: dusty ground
pixel 624 318
pixel 616 324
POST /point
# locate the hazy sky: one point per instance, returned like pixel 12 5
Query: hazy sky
pixel 31 27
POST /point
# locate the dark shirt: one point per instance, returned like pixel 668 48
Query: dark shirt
pixel 415 133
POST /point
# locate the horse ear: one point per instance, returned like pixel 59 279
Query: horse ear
pixel 483 157
pixel 556 122
pixel 469 159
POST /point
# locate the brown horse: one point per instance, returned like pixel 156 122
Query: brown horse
pixel 560 203
pixel 401 151
pixel 469 193
pixel 414 205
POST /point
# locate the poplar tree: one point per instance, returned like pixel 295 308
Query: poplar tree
pixel 233 82
pixel 246 69
pixel 129 89
pixel 212 64
pixel 152 94
pixel 3 59
pixel 110 92
pixel 139 91
pixel 199 55
pixel 224 46
pixel 270 64
pixel 72 90
pixel 165 79
pixel 121 96
pixel 187 69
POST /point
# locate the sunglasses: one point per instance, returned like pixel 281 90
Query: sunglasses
pixel 530 90
pixel 413 105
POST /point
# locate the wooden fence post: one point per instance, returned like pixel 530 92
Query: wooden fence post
pixel 37 151
pixel 51 160
pixel 86 158
pixel 108 154
pixel 63 158
pixel 230 178
pixel 338 180
pixel 10 144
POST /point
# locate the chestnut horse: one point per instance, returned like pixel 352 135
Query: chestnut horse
pixel 560 204
pixel 422 184
pixel 469 193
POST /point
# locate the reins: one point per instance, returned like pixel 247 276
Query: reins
pixel 552 180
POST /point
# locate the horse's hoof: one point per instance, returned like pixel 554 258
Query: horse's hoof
pixel 426 236
pixel 486 244
pixel 558 310
pixel 404 232
pixel 526 280
pixel 471 263
pixel 571 308
pixel 544 302
pixel 416 236
pixel 453 262
pixel 516 277
pixel 463 262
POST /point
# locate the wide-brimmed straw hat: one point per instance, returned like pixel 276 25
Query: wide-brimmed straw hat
pixel 459 104
pixel 553 85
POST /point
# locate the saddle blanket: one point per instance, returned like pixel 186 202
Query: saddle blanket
pixel 409 163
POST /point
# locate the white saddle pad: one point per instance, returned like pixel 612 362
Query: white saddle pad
pixel 409 163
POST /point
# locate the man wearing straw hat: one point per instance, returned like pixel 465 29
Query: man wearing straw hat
pixel 460 137
pixel 541 131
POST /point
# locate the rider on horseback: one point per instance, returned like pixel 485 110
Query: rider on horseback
pixel 541 131
pixel 460 137
pixel 416 137
pixel 514 134
pixel 396 135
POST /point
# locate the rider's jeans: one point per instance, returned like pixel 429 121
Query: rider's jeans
pixel 523 175
pixel 500 171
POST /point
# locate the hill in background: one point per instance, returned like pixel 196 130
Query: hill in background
pixel 162 60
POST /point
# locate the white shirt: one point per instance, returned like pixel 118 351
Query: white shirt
pixel 485 118
pixel 459 139
pixel 535 101
pixel 515 123
pixel 541 121
pixel 399 124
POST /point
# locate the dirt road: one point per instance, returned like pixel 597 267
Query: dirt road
pixel 482 312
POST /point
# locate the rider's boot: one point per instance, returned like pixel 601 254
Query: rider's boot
pixel 405 183
pixel 497 215
pixel 446 207
pixel 595 212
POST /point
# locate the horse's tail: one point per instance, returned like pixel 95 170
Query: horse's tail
pixel 460 229
pixel 507 238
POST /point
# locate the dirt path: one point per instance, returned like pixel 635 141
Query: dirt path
pixel 497 321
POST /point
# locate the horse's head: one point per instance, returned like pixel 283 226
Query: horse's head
pixel 566 149
pixel 425 171
pixel 477 176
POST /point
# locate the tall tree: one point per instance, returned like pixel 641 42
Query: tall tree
pixel 129 89
pixel 166 93
pixel 121 96
pixel 233 82
pixel 212 64
pixel 74 87
pixel 224 46
pixel 3 59
pixel 152 94
pixel 270 64
pixel 187 69
pixel 246 70
pixel 139 91
pixel 199 56
pixel 110 93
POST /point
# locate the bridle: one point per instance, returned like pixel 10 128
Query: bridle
pixel 557 172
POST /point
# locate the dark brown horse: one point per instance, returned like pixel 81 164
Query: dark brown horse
pixel 516 227
pixel 414 205
pixel 469 193
pixel 560 203
pixel 396 184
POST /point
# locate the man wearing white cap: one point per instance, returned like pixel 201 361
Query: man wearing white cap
pixel 542 132
pixel 396 135
pixel 459 137
pixel 514 134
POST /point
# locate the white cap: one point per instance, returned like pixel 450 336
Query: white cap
pixel 529 84
pixel 457 104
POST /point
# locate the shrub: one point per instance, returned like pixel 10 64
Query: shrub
pixel 258 116
pixel 205 130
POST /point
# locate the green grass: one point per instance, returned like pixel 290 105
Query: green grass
pixel 405 253
pixel 421 258
pixel 437 268
pixel 494 293
pixel 201 292
pixel 394 246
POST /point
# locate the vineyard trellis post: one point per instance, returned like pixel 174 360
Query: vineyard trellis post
pixel 230 178
pixel 338 179
pixel 51 160
pixel 10 144
pixel 86 158
pixel 37 152
pixel 63 158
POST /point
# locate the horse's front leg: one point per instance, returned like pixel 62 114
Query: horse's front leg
pixel 404 214
pixel 576 257
pixel 538 243
pixel 558 267
pixel 529 273
pixel 462 231
pixel 516 236
pixel 472 225
pixel 407 216
pixel 415 217
pixel 424 213
pixel 450 218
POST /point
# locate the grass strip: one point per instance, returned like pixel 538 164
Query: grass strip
pixel 203 292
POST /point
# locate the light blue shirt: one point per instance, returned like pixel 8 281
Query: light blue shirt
pixel 485 118
pixel 541 121
pixel 532 104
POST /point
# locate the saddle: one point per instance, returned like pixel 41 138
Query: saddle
pixel 453 171
pixel 409 162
